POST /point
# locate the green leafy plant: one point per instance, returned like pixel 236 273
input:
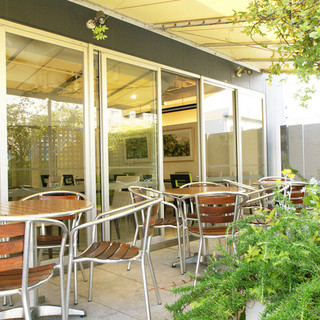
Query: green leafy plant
pixel 295 24
pixel 99 32
pixel 277 264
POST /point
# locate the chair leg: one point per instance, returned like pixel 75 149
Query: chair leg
pixel 145 287
pixel 134 243
pixel 64 310
pixel 90 282
pixel 75 277
pixel 116 224
pixel 69 273
pixel 155 285
pixel 25 304
pixel 83 273
pixel 198 261
pixel 5 301
pixel 40 254
pixel 181 255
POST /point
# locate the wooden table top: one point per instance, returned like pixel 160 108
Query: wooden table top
pixel 180 192
pixel 44 208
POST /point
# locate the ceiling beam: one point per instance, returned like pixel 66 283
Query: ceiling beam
pixel 196 22
pixel 258 59
pixel 239 44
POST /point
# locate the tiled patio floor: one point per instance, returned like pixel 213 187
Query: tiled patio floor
pixel 118 293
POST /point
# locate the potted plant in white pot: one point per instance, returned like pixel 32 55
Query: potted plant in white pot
pixel 277 265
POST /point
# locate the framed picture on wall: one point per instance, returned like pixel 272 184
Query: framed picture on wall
pixel 137 149
pixel 178 145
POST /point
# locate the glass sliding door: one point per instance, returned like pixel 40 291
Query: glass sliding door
pixel 220 133
pixel 45 116
pixel 131 121
pixel 252 136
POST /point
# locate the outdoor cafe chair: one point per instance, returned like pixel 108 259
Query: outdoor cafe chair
pixel 17 271
pixel 296 193
pixel 105 252
pixel 271 178
pixel 190 203
pixel 260 200
pixel 49 241
pixel 141 193
pixel 215 212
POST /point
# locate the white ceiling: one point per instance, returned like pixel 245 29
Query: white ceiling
pixel 205 24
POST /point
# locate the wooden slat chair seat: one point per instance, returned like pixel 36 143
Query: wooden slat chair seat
pixel 11 279
pixel 168 221
pixel 49 241
pixel 116 252
pixel 111 250
pixel 217 231
pixel 17 274
pixel 139 194
pixel 215 211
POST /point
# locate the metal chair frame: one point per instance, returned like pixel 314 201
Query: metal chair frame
pixel 102 252
pixel 142 193
pixel 246 187
pixel 201 184
pixel 25 266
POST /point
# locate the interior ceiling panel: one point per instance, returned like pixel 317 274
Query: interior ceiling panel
pixel 206 24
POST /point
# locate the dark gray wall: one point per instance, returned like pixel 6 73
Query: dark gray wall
pixel 69 19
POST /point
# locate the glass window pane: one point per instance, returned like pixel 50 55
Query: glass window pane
pixel 252 135
pixel 132 132
pixel 220 142
pixel 179 125
pixel 45 117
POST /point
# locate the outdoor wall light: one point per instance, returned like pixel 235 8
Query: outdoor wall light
pixel 100 18
pixel 240 71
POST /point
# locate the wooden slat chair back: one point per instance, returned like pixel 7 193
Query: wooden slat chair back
pixel 191 200
pixel 17 273
pixel 61 196
pixel 296 194
pixel 218 211
pixel 139 194
pixel 11 246
pixel 215 211
pixel 116 252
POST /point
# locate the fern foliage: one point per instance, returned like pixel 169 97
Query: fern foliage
pixel 277 263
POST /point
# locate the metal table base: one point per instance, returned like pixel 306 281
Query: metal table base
pixel 38 312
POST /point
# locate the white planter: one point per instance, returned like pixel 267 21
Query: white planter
pixel 254 309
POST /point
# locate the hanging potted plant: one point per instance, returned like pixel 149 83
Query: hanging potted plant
pixel 277 265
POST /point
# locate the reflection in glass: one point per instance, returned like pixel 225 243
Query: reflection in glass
pixel 252 136
pixel 220 142
pixel 45 116
pixel 132 132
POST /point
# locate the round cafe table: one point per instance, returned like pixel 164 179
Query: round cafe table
pixel 45 209
pixel 189 191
